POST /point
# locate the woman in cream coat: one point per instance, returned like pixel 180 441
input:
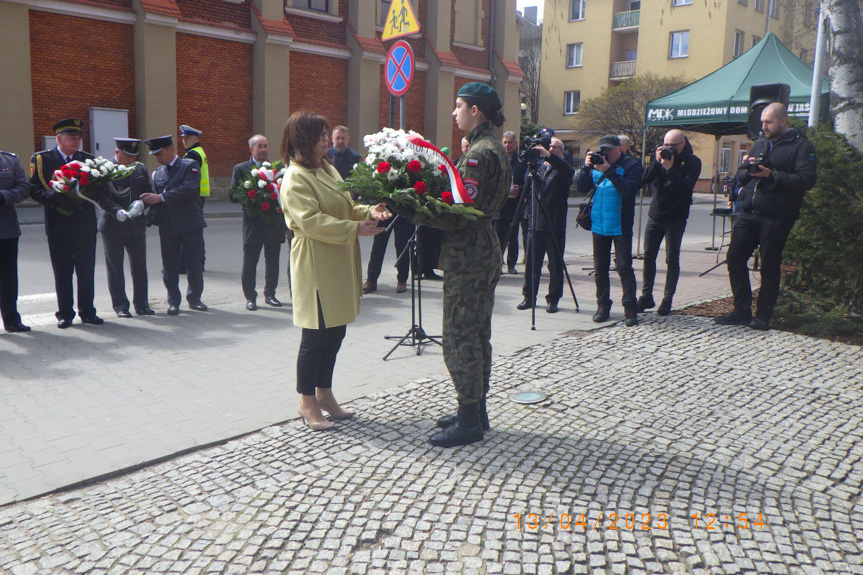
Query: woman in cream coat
pixel 326 276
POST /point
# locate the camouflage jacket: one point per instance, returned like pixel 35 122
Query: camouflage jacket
pixel 487 176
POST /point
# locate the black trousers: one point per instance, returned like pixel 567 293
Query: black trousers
pixel 654 233
pixel 317 357
pixel 114 254
pixel 545 246
pixel 508 243
pixel 73 255
pixel 251 256
pixel 192 257
pixel 623 261
pixel 9 282
pixel 403 231
pixel 751 231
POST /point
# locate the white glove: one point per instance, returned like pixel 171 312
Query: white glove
pixel 122 215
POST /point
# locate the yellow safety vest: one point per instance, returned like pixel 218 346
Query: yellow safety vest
pixel 205 171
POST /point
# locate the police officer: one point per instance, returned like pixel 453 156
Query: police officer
pixel 120 232
pixel 181 223
pixel 13 189
pixel 194 151
pixel 71 238
pixel 259 234
pixel 470 258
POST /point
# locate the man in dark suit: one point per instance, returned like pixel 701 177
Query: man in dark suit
pixel 502 220
pixel 120 232
pixel 258 233
pixel 181 223
pixel 13 189
pixel 71 238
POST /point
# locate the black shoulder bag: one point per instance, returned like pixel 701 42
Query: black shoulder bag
pixel 583 220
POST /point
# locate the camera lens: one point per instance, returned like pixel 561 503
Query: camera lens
pixel 596 158
pixel 665 153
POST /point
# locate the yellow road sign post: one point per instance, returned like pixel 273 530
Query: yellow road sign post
pixel 401 21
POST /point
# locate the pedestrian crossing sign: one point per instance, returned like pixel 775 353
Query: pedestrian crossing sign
pixel 401 21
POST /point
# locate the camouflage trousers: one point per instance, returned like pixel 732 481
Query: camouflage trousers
pixel 468 303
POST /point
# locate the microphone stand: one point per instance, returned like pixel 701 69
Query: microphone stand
pixel 416 335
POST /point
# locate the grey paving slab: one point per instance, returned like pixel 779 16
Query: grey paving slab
pixel 652 445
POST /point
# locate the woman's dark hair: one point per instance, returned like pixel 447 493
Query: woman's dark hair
pixel 492 115
pixel 301 134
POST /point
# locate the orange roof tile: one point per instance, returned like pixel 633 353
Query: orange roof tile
pixel 446 58
pixel 281 28
pixel 511 67
pixel 368 44
pixel 163 7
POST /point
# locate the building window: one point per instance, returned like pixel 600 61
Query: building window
pixel 573 55
pixel 681 2
pixel 635 4
pixel 738 43
pixel 756 40
pixel 759 5
pixel 774 8
pixel 804 54
pixel 571 100
pixel 385 10
pixel 576 10
pixel 725 157
pixel 317 5
pixel 678 46
pixel 744 2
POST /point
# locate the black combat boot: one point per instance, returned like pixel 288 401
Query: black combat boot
pixel 466 430
pixel 452 419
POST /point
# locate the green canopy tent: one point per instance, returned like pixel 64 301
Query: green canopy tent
pixel 718 104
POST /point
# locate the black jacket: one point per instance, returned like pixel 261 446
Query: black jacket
pixel 556 181
pixel 13 189
pixel 674 186
pixel 256 230
pixel 179 186
pixel 507 212
pixel 792 165
pixel 121 195
pixel 82 222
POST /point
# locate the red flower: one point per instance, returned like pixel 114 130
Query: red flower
pixel 383 167
pixel 420 187
pixel 265 206
pixel 414 166
pixel 274 196
pixel 84 179
pixel 251 193
pixel 446 198
pixel 442 167
pixel 272 187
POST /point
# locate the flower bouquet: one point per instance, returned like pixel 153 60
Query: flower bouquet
pixel 78 179
pixel 258 191
pixel 408 173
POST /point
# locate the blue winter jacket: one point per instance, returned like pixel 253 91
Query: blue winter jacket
pixel 614 200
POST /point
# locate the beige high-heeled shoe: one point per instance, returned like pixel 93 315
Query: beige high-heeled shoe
pixel 336 413
pixel 314 425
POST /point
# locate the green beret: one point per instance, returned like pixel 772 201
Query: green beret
pixel 480 91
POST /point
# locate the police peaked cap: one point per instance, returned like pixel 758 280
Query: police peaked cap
pixel 482 92
pixel 69 126
pixel 128 145
pixel 189 131
pixel 158 144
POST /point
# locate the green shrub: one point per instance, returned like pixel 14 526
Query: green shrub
pixel 827 241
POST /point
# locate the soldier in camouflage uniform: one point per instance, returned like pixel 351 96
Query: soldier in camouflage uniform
pixel 470 256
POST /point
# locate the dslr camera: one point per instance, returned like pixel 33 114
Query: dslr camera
pixel 667 153
pixel 756 164
pixel 598 157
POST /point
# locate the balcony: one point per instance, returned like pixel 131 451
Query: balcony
pixel 622 70
pixel 626 21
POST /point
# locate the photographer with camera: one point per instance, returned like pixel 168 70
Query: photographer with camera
pixel 617 178
pixel 675 169
pixel 781 167
pixel 547 235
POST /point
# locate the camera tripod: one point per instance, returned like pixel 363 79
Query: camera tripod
pixel 416 335
pixel 535 207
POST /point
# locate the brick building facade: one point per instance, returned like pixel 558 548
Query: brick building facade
pixel 232 68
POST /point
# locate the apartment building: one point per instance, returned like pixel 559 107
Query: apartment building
pixel 589 46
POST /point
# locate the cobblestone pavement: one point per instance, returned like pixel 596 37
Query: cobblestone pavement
pixel 661 436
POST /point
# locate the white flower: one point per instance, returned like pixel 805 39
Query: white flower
pixel 392 174
pixel 85 169
pixel 262 184
pixel 248 184
pixel 254 172
pixel 372 160
pixel 266 164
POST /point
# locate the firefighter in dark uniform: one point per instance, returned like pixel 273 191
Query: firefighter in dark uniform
pixel 120 232
pixel 181 222
pixel 470 259
pixel 71 238
pixel 13 189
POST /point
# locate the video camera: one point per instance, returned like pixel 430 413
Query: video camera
pixel 528 143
